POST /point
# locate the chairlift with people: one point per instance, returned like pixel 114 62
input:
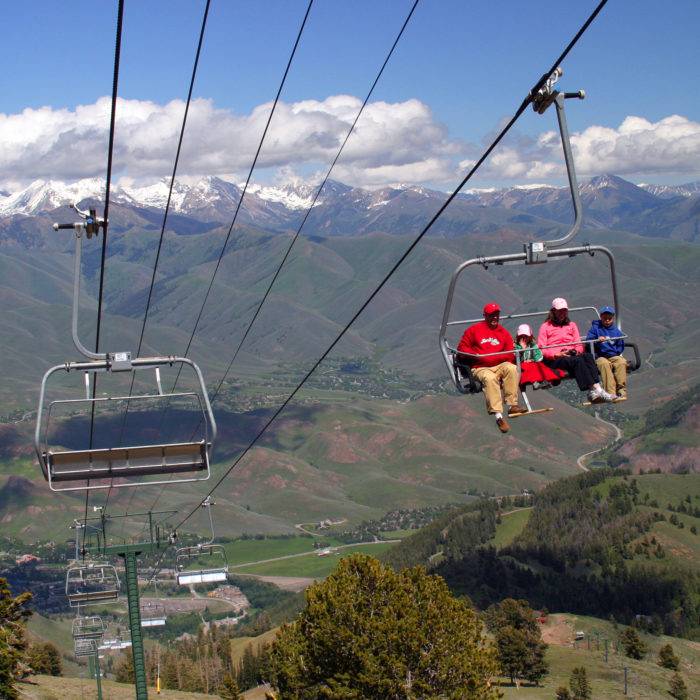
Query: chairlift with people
pixel 205 552
pixel 534 253
pixel 131 463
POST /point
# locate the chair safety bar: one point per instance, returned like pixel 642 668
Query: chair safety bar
pixel 85 647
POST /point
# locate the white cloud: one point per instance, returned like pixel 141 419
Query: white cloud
pixel 637 147
pixel 393 142
pixel 402 138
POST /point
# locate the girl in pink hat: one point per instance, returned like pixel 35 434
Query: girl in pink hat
pixel 532 369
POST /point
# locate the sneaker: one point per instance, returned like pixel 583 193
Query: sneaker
pixel 600 396
pixel 545 385
pixel 622 394
pixel 516 410
pixel 502 424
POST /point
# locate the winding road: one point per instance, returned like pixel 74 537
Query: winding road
pixel 618 436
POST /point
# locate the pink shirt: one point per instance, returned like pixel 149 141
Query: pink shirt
pixel 556 335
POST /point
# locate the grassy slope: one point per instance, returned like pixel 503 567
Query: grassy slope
pixel 645 678
pixel 49 688
pixel 311 565
pixel 511 524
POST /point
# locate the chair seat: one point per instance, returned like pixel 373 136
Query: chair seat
pixel 114 462
pixel 184 578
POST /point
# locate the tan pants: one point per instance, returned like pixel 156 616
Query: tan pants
pixel 613 374
pixel 505 374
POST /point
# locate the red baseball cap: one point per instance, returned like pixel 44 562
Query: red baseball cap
pixel 491 308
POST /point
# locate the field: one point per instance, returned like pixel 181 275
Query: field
pixel 310 565
pixel 511 524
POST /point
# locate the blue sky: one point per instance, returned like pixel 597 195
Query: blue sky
pixel 466 66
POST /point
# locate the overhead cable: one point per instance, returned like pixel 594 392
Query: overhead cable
pixel 165 218
pixel 105 228
pixel 526 101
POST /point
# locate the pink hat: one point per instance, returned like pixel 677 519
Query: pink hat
pixel 524 329
pixel 559 303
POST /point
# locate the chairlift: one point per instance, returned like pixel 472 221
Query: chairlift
pixel 92 583
pixel 88 627
pixel 186 556
pixel 145 461
pixel 86 647
pixel 534 253
pixel 152 614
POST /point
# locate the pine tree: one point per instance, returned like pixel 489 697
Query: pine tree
pixel 578 682
pixel 634 647
pixel 667 659
pixel 677 687
pixel 13 615
pixel 45 658
pixel 521 651
pixel 369 632
pixel 229 688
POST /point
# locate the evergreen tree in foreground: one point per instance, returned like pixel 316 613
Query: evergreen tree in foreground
pixel 368 632
pixel 13 615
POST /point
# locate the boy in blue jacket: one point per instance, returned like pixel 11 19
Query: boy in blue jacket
pixel 608 353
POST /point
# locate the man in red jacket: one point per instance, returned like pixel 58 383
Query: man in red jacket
pixel 496 368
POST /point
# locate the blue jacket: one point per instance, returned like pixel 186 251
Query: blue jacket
pixel 609 348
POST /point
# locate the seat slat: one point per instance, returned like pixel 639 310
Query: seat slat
pixel 75 465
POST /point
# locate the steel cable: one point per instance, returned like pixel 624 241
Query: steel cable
pixel 526 101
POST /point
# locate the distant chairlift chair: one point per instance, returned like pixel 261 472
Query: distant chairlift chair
pixel 152 615
pixel 127 465
pixel 92 584
pixel 88 627
pixel 185 556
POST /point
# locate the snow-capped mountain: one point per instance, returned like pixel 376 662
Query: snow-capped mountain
pixel 608 202
pixel 669 191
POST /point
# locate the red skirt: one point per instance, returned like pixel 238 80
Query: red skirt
pixel 531 372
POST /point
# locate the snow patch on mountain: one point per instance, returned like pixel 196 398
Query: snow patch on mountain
pixel 668 191
pixel 42 195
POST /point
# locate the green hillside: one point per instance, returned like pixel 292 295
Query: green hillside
pixel 598 543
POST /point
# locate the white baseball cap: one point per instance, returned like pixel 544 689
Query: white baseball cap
pixel 560 303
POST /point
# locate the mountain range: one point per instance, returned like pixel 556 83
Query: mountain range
pixel 608 201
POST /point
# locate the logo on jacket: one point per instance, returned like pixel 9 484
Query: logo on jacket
pixel 490 341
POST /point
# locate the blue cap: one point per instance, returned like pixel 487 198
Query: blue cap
pixel 607 310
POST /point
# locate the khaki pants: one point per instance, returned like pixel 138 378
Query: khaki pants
pixel 613 374
pixel 505 374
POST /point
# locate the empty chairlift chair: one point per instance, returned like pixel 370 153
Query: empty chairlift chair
pixel 213 556
pixel 125 460
pixel 88 627
pixel 91 584
pixel 152 615
pixel 86 647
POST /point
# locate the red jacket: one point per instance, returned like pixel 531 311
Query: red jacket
pixel 479 339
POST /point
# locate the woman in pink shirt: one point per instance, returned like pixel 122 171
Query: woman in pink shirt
pixel 568 354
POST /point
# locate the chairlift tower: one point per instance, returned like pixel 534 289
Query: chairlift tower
pixel 158 540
